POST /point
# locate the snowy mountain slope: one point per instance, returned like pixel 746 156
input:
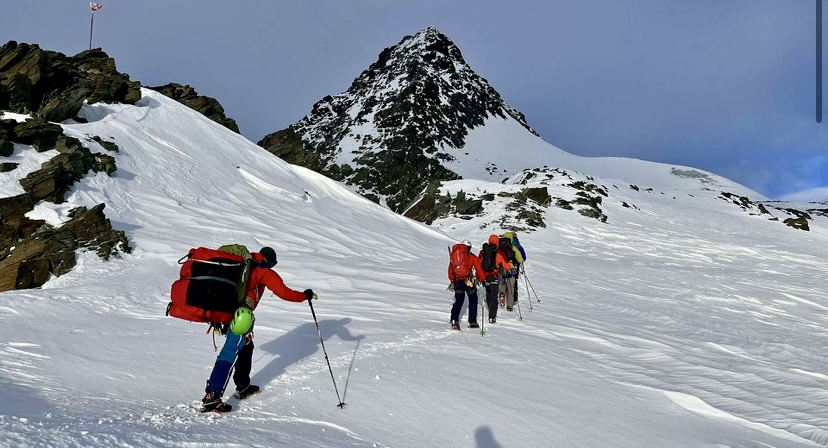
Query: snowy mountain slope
pixel 680 324
pixel 421 114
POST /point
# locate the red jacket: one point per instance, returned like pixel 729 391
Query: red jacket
pixel 261 277
pixel 472 262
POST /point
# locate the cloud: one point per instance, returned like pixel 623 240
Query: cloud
pixel 818 194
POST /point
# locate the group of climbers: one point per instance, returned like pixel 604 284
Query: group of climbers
pixel 496 267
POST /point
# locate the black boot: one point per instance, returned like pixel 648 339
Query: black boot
pixel 455 325
pixel 246 392
pixel 212 403
pixel 474 325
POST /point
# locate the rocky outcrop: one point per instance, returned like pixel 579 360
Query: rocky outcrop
pixel 524 208
pixel 205 105
pixel 53 87
pixel 800 223
pixel 57 176
pixel 431 205
pixel 51 251
pixel 38 133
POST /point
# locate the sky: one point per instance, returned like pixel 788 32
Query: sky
pixel 725 86
pixel 647 331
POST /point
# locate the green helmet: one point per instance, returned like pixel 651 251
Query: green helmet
pixel 242 321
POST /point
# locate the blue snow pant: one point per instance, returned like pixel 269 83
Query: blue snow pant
pixel 234 351
pixel 460 290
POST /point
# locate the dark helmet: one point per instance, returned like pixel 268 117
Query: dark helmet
pixel 269 254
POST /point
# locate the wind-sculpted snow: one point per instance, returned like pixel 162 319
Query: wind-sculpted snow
pixel 684 322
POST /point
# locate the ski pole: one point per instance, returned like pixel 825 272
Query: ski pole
pixel 528 296
pixel 482 314
pixel 520 316
pixel 526 285
pixel 341 404
pixel 530 285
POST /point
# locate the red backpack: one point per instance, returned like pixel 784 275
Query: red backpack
pixel 210 287
pixel 459 264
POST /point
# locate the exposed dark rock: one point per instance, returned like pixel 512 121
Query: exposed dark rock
pixel 6 147
pixel 4 97
pixel 800 223
pixel 539 195
pixel 109 146
pixel 14 226
pixel 692 174
pixel 593 213
pixel 54 87
pixel 465 206
pixel 287 145
pixel 430 205
pixel 797 213
pixel 66 144
pixel 104 163
pixel 38 133
pixel 51 251
pixel 58 175
pixel 205 105
pixel 592 188
pixel 564 204
pixel 5 167
pixel 594 206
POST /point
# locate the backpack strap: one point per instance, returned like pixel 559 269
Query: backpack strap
pixel 210 277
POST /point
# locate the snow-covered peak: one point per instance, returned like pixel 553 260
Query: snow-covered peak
pixel 399 123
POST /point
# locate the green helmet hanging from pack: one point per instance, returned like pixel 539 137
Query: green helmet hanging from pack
pixel 242 321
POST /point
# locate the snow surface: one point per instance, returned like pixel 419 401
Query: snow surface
pixel 685 323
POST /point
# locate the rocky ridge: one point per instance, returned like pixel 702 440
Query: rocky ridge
pixel 522 202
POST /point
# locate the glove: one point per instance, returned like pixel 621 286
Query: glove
pixel 310 295
pixel 469 283
pixel 451 287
